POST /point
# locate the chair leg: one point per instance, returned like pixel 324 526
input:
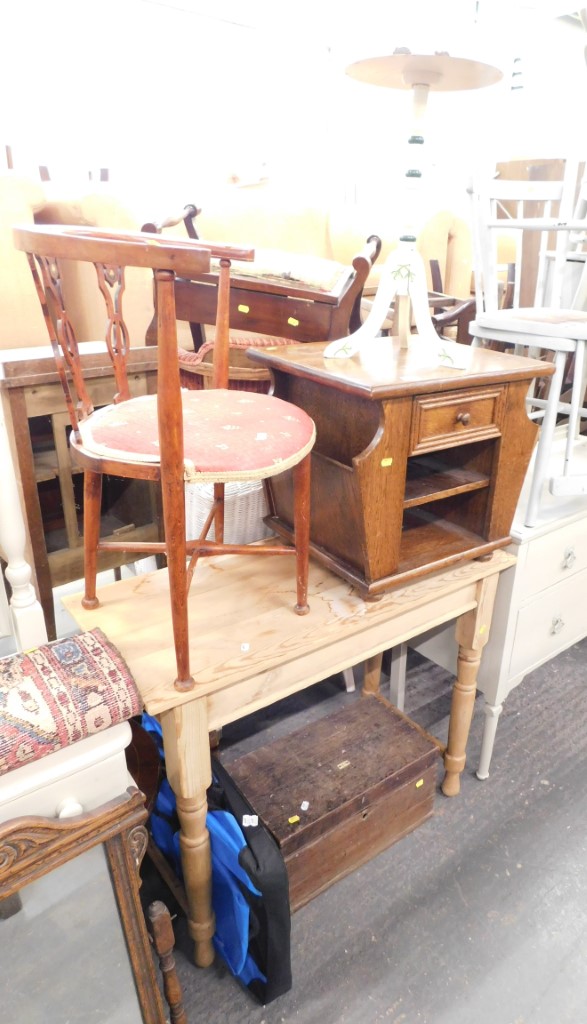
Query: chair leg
pixel 92 508
pixel 174 526
pixel 219 513
pixel 349 680
pixel 397 675
pixel 545 440
pixel 169 419
pixel 161 929
pixel 301 481
pixel 576 404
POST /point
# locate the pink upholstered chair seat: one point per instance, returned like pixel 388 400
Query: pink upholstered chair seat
pixel 260 435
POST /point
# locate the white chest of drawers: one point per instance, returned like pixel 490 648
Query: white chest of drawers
pixel 540 610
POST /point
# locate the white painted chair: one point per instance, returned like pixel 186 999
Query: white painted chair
pixel 537 227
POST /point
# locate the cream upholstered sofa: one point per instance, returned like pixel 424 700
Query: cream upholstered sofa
pixel 21 320
pixel 264 216
pixel 25 201
pixel 269 217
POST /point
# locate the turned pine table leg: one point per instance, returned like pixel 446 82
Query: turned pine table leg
pixel 472 633
pixel 187 760
pixel 372 674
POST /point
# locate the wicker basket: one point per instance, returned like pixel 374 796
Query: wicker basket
pixel 244 507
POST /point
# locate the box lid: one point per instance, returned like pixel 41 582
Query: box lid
pixel 338 766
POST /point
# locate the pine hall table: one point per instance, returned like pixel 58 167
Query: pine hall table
pixel 249 650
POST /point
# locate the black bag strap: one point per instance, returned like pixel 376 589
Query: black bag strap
pixel 263 861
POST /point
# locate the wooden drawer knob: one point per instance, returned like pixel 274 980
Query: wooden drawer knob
pixel 464 418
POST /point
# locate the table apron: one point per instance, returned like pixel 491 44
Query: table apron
pixel 264 688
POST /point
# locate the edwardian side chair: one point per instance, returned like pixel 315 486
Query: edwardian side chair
pixel 175 436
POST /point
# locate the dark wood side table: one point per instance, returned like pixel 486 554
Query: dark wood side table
pixel 415 466
pixel 32 398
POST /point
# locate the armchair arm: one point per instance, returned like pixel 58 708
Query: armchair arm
pixel 362 264
pixel 187 215
pixel 461 314
pixel 449 310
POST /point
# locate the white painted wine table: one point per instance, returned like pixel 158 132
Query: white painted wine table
pixel 249 649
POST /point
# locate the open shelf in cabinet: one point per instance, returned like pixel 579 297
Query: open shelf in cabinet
pixel 427 538
pixel 442 474
pixel 430 478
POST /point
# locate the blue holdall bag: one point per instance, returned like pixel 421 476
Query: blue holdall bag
pixel 250 891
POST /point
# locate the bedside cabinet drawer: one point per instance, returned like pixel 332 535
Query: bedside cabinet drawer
pixel 550 624
pixel 459 417
pixel 554 557
pixel 76 778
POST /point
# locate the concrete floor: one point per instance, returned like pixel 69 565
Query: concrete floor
pixel 480 915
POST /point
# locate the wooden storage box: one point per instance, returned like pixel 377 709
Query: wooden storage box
pixel 341 790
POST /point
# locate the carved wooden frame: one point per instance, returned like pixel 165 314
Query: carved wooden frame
pixel 31 847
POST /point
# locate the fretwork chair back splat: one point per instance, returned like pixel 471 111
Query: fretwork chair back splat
pixel 175 436
pixel 539 226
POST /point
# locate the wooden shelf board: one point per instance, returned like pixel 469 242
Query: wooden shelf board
pixel 46 467
pixel 428 539
pixel 431 484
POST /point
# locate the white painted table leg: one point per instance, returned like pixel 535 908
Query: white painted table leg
pixel 397 675
pixel 492 713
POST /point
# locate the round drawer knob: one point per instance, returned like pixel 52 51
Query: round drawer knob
pixel 557 625
pixel 68 808
pixel 464 418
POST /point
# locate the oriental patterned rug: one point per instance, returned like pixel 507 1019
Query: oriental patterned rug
pixel 59 693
